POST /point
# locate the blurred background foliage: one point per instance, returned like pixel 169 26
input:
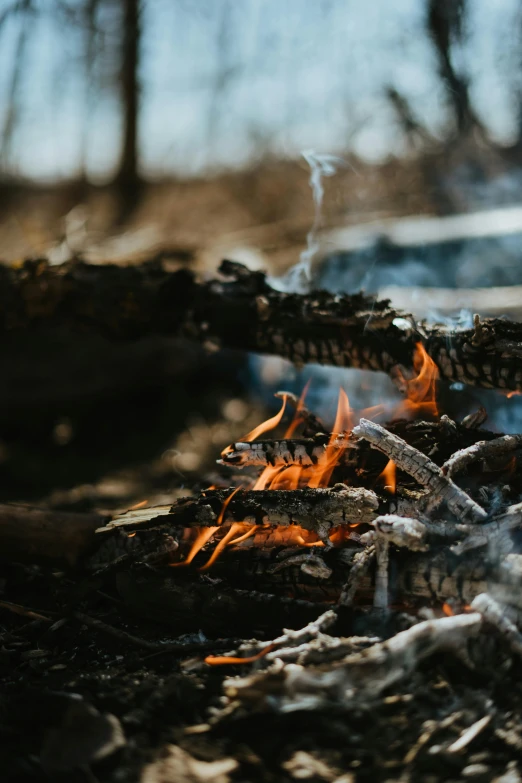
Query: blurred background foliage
pixel 118 90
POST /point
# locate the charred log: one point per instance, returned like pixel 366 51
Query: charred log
pixel 318 510
pixel 440 440
pixel 201 602
pixel 245 313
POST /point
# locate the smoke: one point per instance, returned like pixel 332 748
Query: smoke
pixel 299 278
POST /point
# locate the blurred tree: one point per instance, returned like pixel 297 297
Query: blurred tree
pixel 23 8
pixel 445 26
pixel 128 176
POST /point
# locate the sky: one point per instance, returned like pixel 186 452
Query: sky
pixel 226 82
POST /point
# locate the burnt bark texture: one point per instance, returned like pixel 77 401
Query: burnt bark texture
pixel 187 602
pixel 251 577
pixel 241 311
pixel 312 509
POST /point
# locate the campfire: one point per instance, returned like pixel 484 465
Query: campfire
pixel 326 564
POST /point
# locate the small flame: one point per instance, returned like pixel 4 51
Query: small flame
pixel 389 476
pixel 511 394
pixel 269 424
pixel 136 506
pixel 421 390
pixel 202 538
pixel 448 611
pixel 296 421
pixel 221 660
pixel 315 542
pixel 235 527
pixel 207 532
pixel 343 426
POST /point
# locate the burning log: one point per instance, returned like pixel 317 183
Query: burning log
pixel 245 313
pixel 444 442
pixel 305 452
pixel 318 510
pixel 495 534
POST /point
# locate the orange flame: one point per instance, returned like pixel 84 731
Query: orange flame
pixel 235 527
pixel 421 390
pixel 297 416
pixel 448 611
pixel 288 478
pixel 202 538
pixel 221 660
pixel 207 532
pixel 136 506
pixel 267 476
pixel 343 426
pixel 269 424
pixel 389 476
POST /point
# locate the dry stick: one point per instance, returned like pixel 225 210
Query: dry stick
pixel 401 531
pixel 495 533
pixel 23 611
pixel 484 449
pixel 422 469
pixel 289 638
pixel 358 677
pixel 245 313
pixel 495 614
pixel 361 565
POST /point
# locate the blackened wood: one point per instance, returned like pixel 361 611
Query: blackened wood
pixel 435 576
pixel 244 312
pixel 244 590
pixel 318 510
pixel 194 603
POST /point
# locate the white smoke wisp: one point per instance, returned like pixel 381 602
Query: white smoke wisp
pixel 299 278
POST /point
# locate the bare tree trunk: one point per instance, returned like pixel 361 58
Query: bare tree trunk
pixel 444 23
pixel 13 104
pixel 128 178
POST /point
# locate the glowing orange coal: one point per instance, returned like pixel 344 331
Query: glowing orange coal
pixel 420 390
pixel 389 477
